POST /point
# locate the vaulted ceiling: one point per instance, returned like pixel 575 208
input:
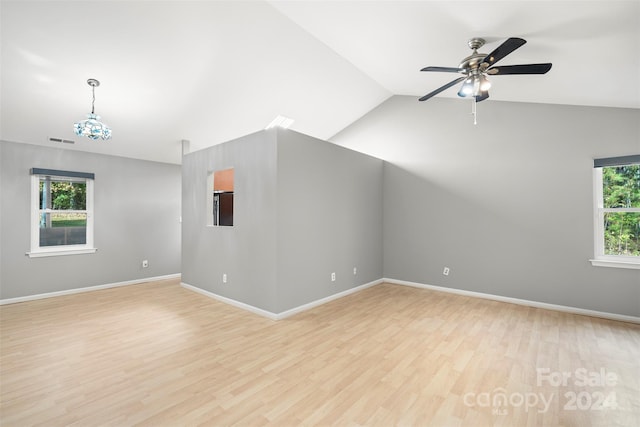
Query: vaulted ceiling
pixel 211 71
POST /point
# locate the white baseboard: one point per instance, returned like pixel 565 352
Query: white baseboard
pixel 308 306
pixel 325 300
pixel 536 304
pixel 284 314
pixel 238 304
pixel 86 289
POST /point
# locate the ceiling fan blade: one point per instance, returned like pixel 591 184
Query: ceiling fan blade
pixel 443 69
pixel 483 95
pixel 503 50
pixel 440 89
pixel 520 69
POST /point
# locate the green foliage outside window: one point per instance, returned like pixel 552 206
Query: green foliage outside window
pixel 621 189
pixel 66 195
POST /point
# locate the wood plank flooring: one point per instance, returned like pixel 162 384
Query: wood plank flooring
pixel 156 354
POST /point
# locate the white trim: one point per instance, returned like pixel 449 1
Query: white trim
pixel 528 303
pixel 284 314
pixel 598 214
pixel 313 304
pixel 35 197
pixel 45 251
pixel 600 259
pixel 90 219
pixel 64 211
pixel 209 212
pixel 86 289
pixel 614 210
pixel 60 252
pixel 615 263
pixel 325 300
pixel 238 304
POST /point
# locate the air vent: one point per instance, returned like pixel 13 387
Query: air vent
pixel 65 141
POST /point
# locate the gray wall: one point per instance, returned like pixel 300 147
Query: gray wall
pixel 505 204
pixel 329 219
pixel 303 208
pixel 137 211
pixel 245 252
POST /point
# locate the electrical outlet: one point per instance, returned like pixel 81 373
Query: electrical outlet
pixel 224 278
pixel 445 271
pixel 145 263
pixel 355 271
pixel 333 277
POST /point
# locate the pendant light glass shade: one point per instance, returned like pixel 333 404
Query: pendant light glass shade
pixel 92 127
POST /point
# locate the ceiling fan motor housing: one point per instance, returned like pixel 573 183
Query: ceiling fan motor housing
pixel 472 62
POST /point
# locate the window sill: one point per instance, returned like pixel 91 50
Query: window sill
pixel 40 254
pixel 615 263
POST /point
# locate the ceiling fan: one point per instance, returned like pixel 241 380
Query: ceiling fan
pixel 477 66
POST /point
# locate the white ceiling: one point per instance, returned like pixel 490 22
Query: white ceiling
pixel 211 71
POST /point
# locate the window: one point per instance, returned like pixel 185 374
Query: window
pixel 61 213
pixel 617 212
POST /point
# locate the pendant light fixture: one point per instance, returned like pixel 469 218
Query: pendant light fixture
pixel 92 127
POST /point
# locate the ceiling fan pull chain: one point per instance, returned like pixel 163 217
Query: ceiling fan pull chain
pixel 474 110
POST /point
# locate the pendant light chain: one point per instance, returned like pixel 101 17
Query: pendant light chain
pixel 93 98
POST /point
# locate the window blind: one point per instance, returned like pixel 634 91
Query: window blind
pixel 617 161
pixel 53 172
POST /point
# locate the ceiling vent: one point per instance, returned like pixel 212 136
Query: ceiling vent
pixel 65 141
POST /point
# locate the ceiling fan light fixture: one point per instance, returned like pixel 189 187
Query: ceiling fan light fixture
pixel 474 86
pixel 467 88
pixel 92 127
pixel 485 84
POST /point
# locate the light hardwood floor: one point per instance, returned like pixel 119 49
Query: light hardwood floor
pixel 156 354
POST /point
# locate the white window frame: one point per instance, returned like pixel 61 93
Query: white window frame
pixel 36 250
pixel 600 259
